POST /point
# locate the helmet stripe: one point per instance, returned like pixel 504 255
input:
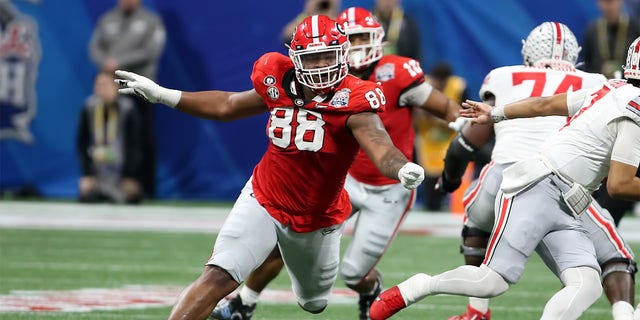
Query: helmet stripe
pixel 636 50
pixel 557 49
pixel 315 29
pixel 351 15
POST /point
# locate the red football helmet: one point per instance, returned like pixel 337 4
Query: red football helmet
pixel 319 49
pixel 355 21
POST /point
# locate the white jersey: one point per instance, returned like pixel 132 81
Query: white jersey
pixel 583 149
pixel 520 139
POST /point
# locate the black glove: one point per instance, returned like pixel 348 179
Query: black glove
pixel 445 185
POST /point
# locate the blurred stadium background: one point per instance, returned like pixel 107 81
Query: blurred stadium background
pixel 212 44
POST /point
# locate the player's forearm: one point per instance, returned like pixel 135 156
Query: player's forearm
pixel 629 190
pixel 390 163
pixel 206 104
pixel 537 106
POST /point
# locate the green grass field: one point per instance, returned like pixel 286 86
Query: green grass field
pixel 65 260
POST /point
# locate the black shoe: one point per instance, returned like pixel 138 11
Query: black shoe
pixel 233 309
pixel 365 301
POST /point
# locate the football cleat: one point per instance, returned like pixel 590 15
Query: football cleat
pixel 365 301
pixel 473 314
pixel 387 304
pixel 233 309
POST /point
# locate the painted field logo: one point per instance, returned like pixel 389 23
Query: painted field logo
pixel 130 297
pixel 84 300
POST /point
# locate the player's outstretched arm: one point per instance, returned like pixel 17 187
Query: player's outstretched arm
pixel 483 113
pixel 368 129
pixel 441 106
pixel 214 104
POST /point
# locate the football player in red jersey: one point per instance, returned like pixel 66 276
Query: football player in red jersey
pixel 380 202
pixel 320 117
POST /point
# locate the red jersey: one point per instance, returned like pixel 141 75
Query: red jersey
pixel 300 178
pixel 396 74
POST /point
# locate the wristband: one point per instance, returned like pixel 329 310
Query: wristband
pixel 497 114
pixel 170 97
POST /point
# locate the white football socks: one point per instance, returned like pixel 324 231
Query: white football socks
pixel 248 296
pixel 479 304
pixel 622 310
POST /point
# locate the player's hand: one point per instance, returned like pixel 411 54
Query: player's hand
pixel 458 124
pixel 445 185
pixel 132 83
pixel 411 175
pixel 478 112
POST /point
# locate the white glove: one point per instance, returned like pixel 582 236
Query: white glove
pixel 411 175
pixel 132 83
pixel 458 124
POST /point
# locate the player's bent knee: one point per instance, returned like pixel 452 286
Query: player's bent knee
pixel 492 283
pixel 585 280
pixel 619 265
pixel 315 306
pixel 474 242
pixel 350 274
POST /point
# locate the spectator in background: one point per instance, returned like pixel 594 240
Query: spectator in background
pixel 108 145
pixel 328 8
pixel 433 134
pixel 402 34
pixel 131 37
pixel 607 38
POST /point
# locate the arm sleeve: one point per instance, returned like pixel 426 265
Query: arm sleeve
pixel 83 144
pixel 416 96
pixel 575 100
pixel 626 148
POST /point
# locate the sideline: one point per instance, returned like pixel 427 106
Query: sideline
pixel 201 219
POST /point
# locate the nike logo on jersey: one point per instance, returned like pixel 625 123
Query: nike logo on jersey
pixel 386 200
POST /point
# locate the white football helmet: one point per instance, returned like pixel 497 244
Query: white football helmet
pixel 632 67
pixel 551 45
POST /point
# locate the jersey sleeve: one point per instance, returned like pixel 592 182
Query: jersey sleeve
pixel 407 77
pixel 268 71
pixel 498 84
pixel 625 148
pixel 366 96
pixel 575 100
pixel 486 89
pixel 267 78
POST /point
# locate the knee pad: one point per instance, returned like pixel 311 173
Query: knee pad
pixel 495 284
pixel 350 274
pixel 586 281
pixel 473 250
pixel 619 265
pixel 314 307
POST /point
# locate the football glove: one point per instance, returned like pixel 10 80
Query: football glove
pixel 131 83
pixel 458 124
pixel 411 175
pixel 445 185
